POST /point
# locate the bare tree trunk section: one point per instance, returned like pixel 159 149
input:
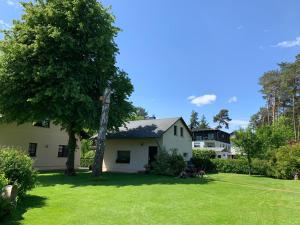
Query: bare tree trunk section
pixel 274 110
pixel 294 118
pixel 98 160
pixel 70 171
pixel 268 110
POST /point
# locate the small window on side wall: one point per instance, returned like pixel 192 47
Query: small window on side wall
pixel 175 130
pixel 123 157
pixel 32 149
pixel 44 123
pixel 181 131
pixel 62 151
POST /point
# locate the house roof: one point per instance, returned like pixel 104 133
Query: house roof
pixel 153 128
pixel 208 129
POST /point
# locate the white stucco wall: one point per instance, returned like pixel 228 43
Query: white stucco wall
pixel 139 150
pixel 182 144
pixel 47 139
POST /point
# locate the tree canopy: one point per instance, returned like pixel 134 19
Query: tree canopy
pixel 194 120
pixel 203 124
pixel 222 118
pixel 56 62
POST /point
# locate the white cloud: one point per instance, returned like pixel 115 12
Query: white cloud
pixel 288 44
pixel 10 2
pixel 191 97
pixel 232 99
pixel 202 100
pixel 4 25
pixel 239 123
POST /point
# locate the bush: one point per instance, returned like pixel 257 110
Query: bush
pixel 240 166
pixel 86 162
pixel 169 164
pixel 4 204
pixel 202 159
pixel 17 168
pixel 287 161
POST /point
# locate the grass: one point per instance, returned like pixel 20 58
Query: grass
pixel 148 199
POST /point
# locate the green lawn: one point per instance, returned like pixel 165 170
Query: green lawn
pixel 147 199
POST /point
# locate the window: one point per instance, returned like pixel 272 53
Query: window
pixel 123 157
pixel 175 130
pixel 199 138
pixel 219 156
pixel 32 149
pixel 62 151
pixel 181 131
pixel 43 123
pixel 211 136
pixel 197 145
pixel 210 144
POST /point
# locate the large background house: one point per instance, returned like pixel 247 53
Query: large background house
pixel 45 143
pixel 136 144
pixel 213 139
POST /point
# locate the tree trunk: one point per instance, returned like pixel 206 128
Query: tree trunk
pixel 70 171
pixel 274 110
pixel 98 160
pixel 268 110
pixel 294 118
pixel 249 165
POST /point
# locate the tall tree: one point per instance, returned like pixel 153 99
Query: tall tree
pixel 56 62
pixel 203 124
pixel 194 120
pixel 291 86
pixel 139 113
pixel 260 118
pixel 223 119
pixel 249 144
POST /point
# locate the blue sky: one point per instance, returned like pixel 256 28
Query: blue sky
pixel 199 55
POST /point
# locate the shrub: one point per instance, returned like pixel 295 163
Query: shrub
pixel 17 168
pixel 5 206
pixel 202 159
pixel 287 161
pixel 169 163
pixel 240 166
pixel 86 162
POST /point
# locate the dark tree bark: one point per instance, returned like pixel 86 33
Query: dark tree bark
pixel 70 171
pixel 98 160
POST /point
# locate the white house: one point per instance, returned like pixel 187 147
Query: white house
pixel 136 144
pixel 45 143
pixel 213 139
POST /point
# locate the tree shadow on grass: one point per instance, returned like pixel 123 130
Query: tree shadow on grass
pixel 29 202
pixel 84 178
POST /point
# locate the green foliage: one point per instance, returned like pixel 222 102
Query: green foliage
pixel 88 159
pixel 287 161
pixel 17 168
pixel 5 206
pixel 139 114
pixel 202 159
pixel 57 61
pixel 194 120
pixel 240 166
pixel 222 118
pixel 86 146
pixel 249 144
pixel 86 162
pixel 274 136
pixel 168 163
pixel 203 124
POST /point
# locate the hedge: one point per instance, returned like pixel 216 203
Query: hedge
pixel 240 166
